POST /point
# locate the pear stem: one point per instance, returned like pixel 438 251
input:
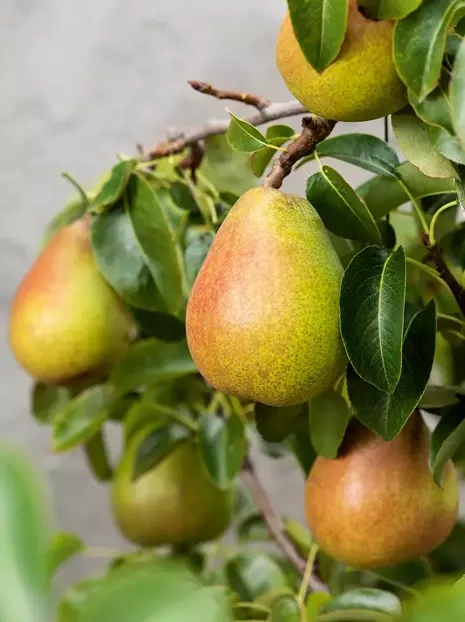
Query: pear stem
pixel 275 525
pixel 314 130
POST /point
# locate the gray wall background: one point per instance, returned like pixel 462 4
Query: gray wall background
pixel 80 82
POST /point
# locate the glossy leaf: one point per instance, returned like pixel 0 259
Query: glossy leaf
pixel 24 538
pixel 47 401
pixel 389 9
pixel 365 599
pixel 121 260
pixel 372 315
pixel 197 249
pixel 244 137
pixel 382 194
pixel 252 574
pixel 329 416
pixel 253 529
pixel 222 445
pixel 457 94
pixel 63 547
pixel 448 145
pixel 342 211
pixel 156 239
pixel 113 189
pixel 159 590
pixel 385 413
pixel 435 108
pixel 158 443
pixel 149 362
pixel 274 424
pixel 363 150
pixel 277 135
pixel 420 41
pixel 74 210
pixel 285 608
pixel 437 397
pixel 161 325
pixel 98 460
pixel 447 438
pixel 299 442
pixel 414 139
pixel 320 27
pixel 81 418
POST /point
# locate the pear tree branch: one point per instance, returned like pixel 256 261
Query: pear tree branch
pixel 266 111
pixel 274 524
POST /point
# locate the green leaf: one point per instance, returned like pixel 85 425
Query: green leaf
pixel 285 608
pixel 156 239
pixel 74 599
pixel 253 529
pixel 435 108
pixel 372 315
pixel 447 145
pixel 151 591
pixel 158 443
pixel 300 536
pixel 363 150
pixel 47 401
pixel 274 424
pixel 161 325
pixel 383 194
pixel 364 599
pixel 81 418
pixel 244 137
pixel 251 575
pixel 277 135
pixel 222 445
pixel 457 94
pixel 122 261
pixel 385 413
pixel 97 457
pixel 63 547
pixel 437 397
pixel 329 416
pixel 228 170
pixel 24 538
pixel 420 42
pixel 150 361
pixel 320 27
pixel 299 441
pixel 389 9
pixel 73 211
pixel 342 211
pixel 417 146
pixel 441 601
pixel 113 189
pixel 447 438
pixel 200 240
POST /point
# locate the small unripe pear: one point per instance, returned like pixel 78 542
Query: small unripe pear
pixel 361 84
pixel 377 504
pixel 174 503
pixel 263 316
pixel 67 326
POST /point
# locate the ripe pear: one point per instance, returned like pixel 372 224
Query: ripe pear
pixel 67 326
pixel 174 503
pixel 377 504
pixel 263 316
pixel 361 84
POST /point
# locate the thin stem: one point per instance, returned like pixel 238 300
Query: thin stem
pixel 386 130
pixel 432 226
pixel 174 414
pixel 304 586
pixel 274 524
pixel 416 205
pixel 245 98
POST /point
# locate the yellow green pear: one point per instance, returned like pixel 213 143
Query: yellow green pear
pixel 361 84
pixel 377 504
pixel 174 503
pixel 67 326
pixel 263 316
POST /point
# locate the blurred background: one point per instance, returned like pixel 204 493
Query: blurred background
pixel 81 82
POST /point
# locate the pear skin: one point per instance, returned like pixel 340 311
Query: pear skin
pixel 67 326
pixel 263 316
pixel 361 84
pixel 377 504
pixel 174 503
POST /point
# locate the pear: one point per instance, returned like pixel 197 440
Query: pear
pixel 377 503
pixel 361 84
pixel 67 326
pixel 174 503
pixel 263 316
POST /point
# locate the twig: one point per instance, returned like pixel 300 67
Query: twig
pixel 314 130
pixel 214 127
pixel 246 98
pixel 193 159
pixel 274 524
pixel 436 254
